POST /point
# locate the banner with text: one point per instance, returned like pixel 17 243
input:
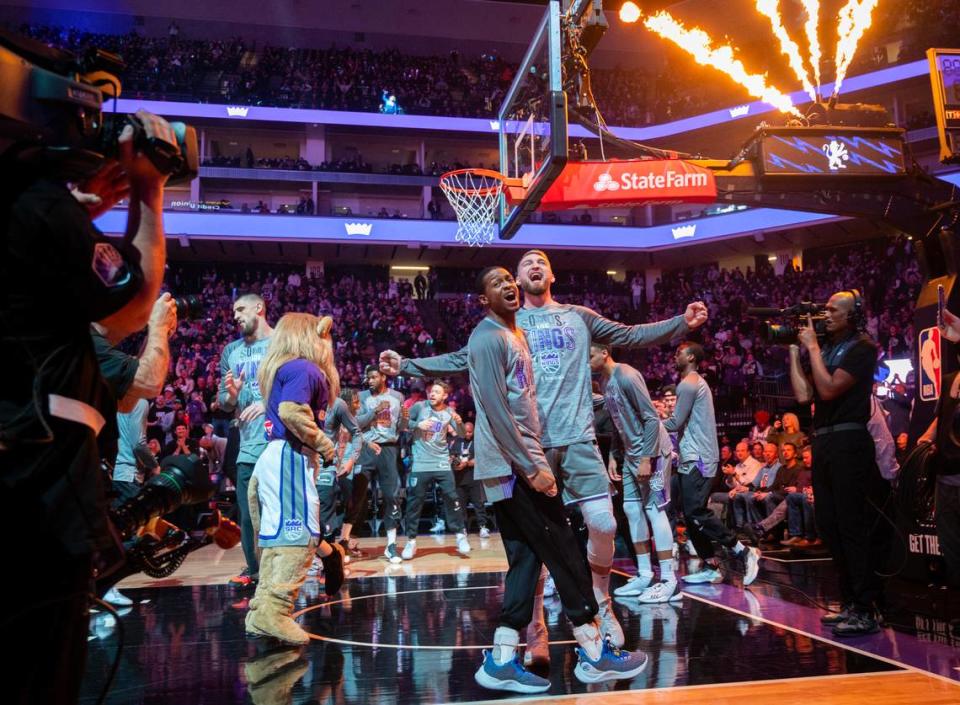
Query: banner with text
pixel 630 183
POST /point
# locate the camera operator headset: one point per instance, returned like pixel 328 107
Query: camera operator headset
pixel 847 485
pixel 58 274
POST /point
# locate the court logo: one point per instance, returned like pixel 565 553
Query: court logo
pixel 605 182
pixel 929 347
pixel 682 231
pixel 237 111
pixel 836 153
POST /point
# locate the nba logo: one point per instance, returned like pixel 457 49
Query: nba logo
pixel 929 351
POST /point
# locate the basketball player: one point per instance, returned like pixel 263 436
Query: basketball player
pixel 646 474
pixel 694 422
pixel 336 417
pixel 431 421
pixel 559 336
pixel 381 412
pixel 533 524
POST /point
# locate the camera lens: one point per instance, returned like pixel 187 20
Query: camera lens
pixel 189 307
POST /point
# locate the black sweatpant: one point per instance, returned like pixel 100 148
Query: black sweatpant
pixel 535 531
pixel 417 484
pixel 385 466
pixel 469 490
pixel 848 495
pixel 703 526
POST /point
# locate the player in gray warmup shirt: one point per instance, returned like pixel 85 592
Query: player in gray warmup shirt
pixel 559 336
pixel 517 478
pixel 381 413
pixel 240 392
pixel 694 421
pixel 430 422
pixel 336 416
pixel 646 474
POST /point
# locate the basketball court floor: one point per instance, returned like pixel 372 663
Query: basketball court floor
pixel 414 632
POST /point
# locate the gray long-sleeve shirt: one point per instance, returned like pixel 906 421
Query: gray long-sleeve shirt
pixel 430 452
pixel 508 428
pixel 632 412
pixel 695 423
pixel 338 416
pixel 559 337
pixel 240 357
pixel 380 425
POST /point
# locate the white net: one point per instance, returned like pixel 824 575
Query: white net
pixel 474 195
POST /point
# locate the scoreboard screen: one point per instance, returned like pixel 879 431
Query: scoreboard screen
pixel 945 81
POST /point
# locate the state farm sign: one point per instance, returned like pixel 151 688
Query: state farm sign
pixel 635 182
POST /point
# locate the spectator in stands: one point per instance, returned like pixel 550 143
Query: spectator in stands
pixel 761 427
pixel 737 478
pixel 182 444
pixel 747 508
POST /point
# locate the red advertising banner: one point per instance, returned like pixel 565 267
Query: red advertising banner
pixel 629 183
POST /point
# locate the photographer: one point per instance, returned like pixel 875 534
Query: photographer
pixel 846 481
pixel 59 274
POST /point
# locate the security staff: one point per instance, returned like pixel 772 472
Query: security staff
pixel 850 492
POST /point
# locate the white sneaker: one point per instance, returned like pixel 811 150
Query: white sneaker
pixel 316 568
pixel 484 532
pixel 666 591
pixel 707 575
pixel 609 626
pixel 438 527
pixel 463 546
pixel 392 554
pixel 410 550
pixel 115 597
pixel 636 585
pixel 751 565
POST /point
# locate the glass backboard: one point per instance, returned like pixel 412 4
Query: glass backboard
pixel 533 123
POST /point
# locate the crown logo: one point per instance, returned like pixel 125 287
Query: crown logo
pixel 237 110
pixel 358 228
pixel 683 231
pixel 739 111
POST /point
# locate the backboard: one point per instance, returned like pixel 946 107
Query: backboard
pixel 532 123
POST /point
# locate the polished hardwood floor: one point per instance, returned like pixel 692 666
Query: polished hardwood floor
pixel 414 632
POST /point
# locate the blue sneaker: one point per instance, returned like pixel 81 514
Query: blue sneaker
pixel 510 676
pixel 613 665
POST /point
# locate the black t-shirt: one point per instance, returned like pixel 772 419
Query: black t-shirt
pixel 57 274
pixel 857 355
pixel 118 368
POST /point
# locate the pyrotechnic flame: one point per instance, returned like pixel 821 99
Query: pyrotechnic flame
pixel 771 10
pixel 698 44
pixel 812 29
pixel 855 19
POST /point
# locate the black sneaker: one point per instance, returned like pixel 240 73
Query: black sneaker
pixel 836 617
pixel 857 624
pixel 392 554
pixel 333 570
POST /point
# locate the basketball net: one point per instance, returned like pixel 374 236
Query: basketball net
pixel 474 195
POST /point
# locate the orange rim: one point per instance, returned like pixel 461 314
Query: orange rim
pixel 448 184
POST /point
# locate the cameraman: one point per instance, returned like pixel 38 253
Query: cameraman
pixel 846 481
pixel 59 274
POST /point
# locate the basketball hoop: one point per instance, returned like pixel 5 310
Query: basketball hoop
pixel 474 195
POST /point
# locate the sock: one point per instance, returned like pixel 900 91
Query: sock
pixel 643 563
pixel 391 536
pixel 345 532
pixel 666 570
pixel 589 639
pixel 505 642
